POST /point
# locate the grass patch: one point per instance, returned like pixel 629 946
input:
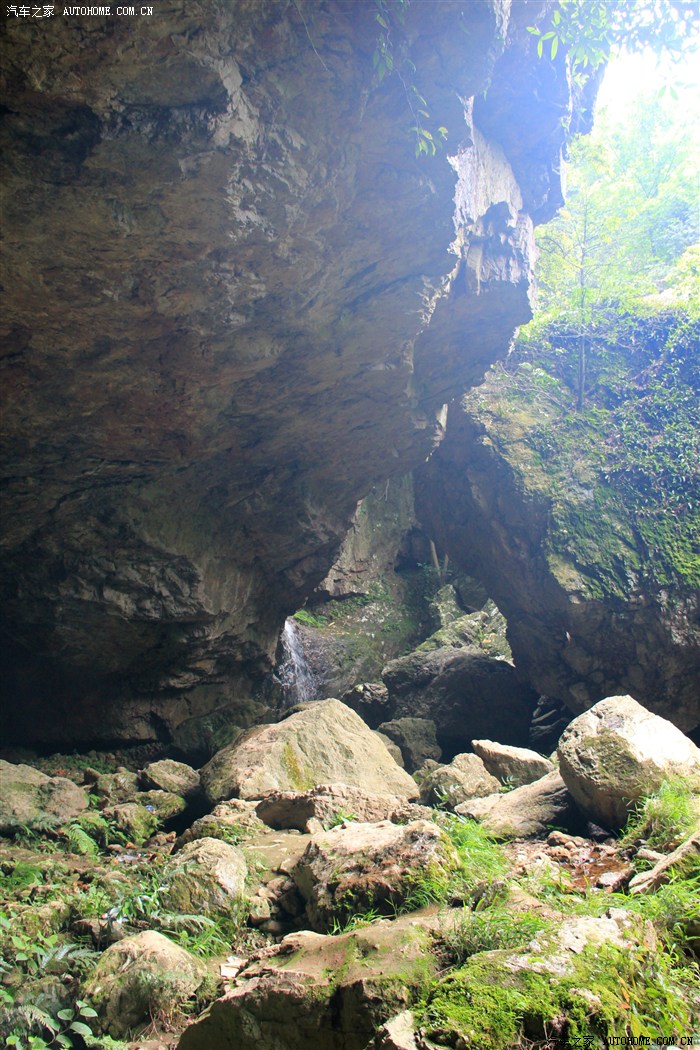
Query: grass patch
pixel 665 818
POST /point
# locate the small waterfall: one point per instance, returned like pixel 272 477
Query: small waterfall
pixel 299 683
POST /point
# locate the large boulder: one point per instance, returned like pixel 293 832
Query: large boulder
pixel 360 867
pixel 512 765
pixel 323 743
pixel 526 811
pixel 416 739
pixel 325 993
pixel 28 796
pixel 616 752
pixel 332 804
pixel 207 876
pixel 142 978
pixel 465 691
pixel 465 777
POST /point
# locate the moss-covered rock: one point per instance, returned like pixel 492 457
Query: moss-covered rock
pixel 29 797
pixel 144 978
pixel 206 877
pixel 325 992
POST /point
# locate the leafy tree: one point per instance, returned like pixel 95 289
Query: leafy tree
pixel 591 30
pixel 615 251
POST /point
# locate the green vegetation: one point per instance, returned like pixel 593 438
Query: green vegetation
pixel 664 819
pixel 606 991
pixel 591 30
pixel 597 408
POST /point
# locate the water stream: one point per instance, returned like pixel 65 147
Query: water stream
pixel 299 683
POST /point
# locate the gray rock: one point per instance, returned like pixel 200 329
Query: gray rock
pixel 393 748
pixel 176 777
pixel 466 692
pixel 332 803
pixel 416 739
pixel 616 752
pixel 324 742
pixel 206 876
pixel 142 978
pixel 322 992
pixel 512 765
pixel 28 797
pixel 465 777
pixel 525 812
pixel 357 867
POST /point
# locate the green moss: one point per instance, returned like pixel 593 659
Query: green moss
pixel 299 778
pixel 492 1005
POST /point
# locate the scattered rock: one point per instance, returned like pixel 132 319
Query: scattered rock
pixel 164 804
pixel 526 811
pixel 29 797
pixel 616 752
pixel 168 775
pixel 665 868
pixel 415 738
pixel 512 765
pixel 331 804
pixel 207 877
pixel 357 867
pixel 324 742
pixel 322 992
pixel 230 821
pixel 120 786
pixel 397 1034
pixel 142 978
pixel 465 777
pixel 136 821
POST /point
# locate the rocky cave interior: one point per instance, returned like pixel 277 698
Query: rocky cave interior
pixel 244 317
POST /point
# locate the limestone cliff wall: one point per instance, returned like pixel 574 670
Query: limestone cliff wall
pixel 235 299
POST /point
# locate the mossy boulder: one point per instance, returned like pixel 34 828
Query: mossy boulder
pixel 29 797
pixel 164 804
pixel 175 777
pixel 231 821
pixel 465 777
pixel 320 743
pixel 135 821
pixel 526 811
pixel 120 786
pixel 322 992
pixel 145 978
pixel 568 986
pixel 616 752
pixel 356 867
pixel 207 876
pixel 416 739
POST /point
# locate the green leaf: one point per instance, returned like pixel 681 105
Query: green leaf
pixel 80 1028
pixel 382 21
pixel 555 48
pixel 540 47
pixel 65 1015
pixel 87 1011
pixel 534 30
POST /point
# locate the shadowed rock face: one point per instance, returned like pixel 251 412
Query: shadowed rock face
pixel 232 308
